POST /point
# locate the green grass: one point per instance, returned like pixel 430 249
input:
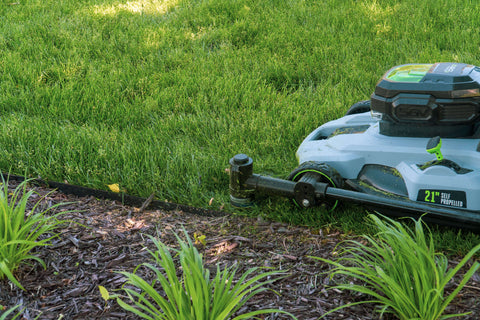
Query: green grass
pixel 158 95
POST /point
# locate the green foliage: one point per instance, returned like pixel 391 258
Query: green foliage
pixel 8 312
pixel 400 269
pixel 195 295
pixel 21 231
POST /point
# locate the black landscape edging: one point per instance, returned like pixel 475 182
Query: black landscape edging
pixel 123 198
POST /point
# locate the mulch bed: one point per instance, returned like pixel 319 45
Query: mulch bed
pixel 104 237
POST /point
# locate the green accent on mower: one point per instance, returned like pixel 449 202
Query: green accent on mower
pixel 408 73
pixel 433 147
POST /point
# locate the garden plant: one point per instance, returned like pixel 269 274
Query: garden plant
pixel 196 295
pixel 22 230
pixel 401 270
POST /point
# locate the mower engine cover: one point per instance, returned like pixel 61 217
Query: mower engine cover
pixel 425 100
pixel 398 155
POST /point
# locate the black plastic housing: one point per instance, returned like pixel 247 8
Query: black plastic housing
pixel 444 102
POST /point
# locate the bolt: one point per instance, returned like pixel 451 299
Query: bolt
pixel 240 159
pixel 306 203
pixel 241 168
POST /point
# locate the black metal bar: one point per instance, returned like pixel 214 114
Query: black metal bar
pixel 271 186
pixel 460 215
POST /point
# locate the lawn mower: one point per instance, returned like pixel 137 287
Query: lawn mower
pixel 412 149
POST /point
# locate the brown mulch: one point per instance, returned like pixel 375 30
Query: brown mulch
pixel 104 237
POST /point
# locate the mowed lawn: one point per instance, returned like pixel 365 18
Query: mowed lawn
pixel 158 95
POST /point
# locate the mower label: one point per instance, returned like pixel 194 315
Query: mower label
pixel 450 198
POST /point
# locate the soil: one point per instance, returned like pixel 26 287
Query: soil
pixel 103 237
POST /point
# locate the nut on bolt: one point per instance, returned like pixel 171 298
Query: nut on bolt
pixel 306 203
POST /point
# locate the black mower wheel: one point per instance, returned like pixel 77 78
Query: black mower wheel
pixel 359 107
pixel 326 174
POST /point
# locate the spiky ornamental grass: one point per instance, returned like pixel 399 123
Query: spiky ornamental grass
pixel 9 312
pixel 195 296
pixel 400 269
pixel 21 231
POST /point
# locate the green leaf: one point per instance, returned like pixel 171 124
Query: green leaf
pixel 4 269
pixel 6 313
